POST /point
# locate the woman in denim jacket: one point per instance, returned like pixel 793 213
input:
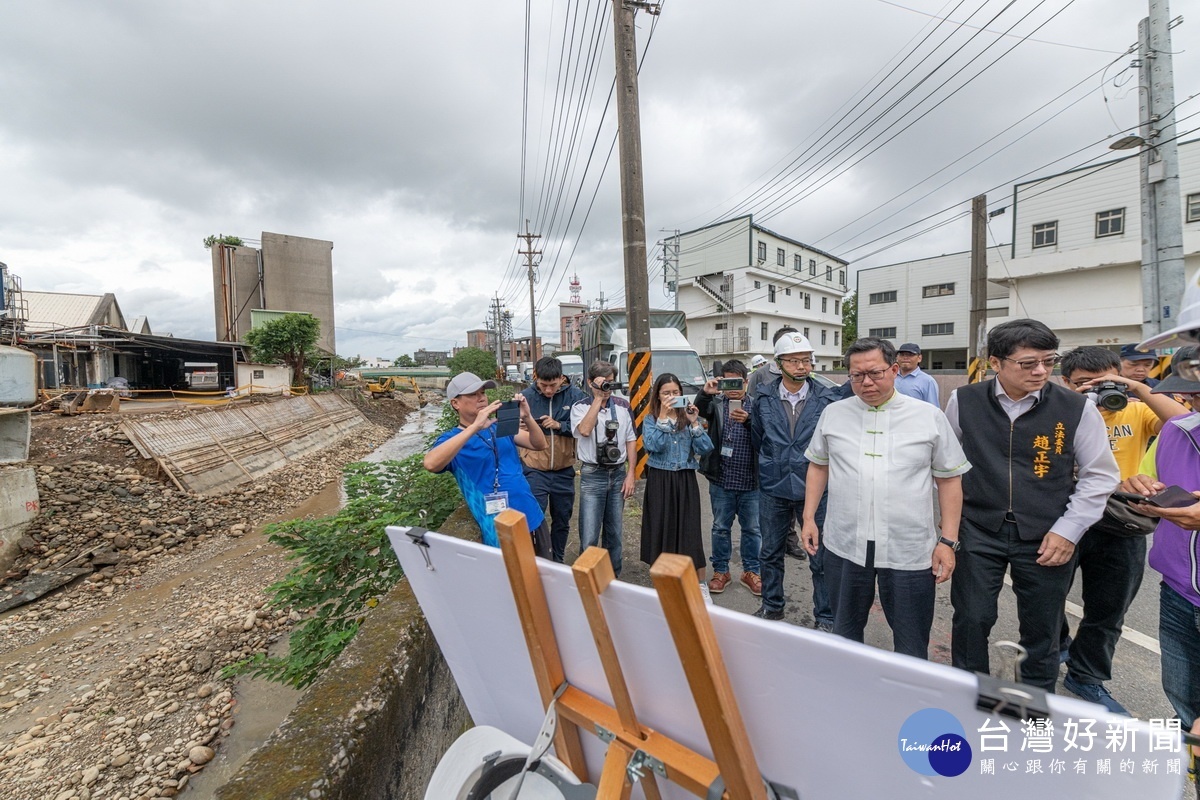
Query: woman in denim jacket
pixel 674 441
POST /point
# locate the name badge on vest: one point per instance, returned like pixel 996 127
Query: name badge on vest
pixel 494 503
pixel 726 450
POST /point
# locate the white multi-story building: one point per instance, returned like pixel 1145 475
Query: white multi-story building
pixel 1075 262
pixel 927 302
pixel 739 283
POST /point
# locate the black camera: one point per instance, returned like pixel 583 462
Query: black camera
pixel 608 452
pixel 1109 395
pixel 611 386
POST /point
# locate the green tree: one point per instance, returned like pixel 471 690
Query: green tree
pixel 405 360
pixel 220 238
pixel 850 318
pixel 287 340
pixel 472 359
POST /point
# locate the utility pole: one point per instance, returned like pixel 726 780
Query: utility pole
pixel 496 324
pixel 1163 271
pixel 671 265
pixel 977 323
pixel 633 215
pixel 530 268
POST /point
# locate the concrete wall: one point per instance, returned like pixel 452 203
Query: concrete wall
pixel 235 290
pixel 375 724
pixel 18 507
pixel 298 274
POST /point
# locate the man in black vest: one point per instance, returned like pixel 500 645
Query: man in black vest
pixel 1042 471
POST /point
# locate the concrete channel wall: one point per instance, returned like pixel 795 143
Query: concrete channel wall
pixel 375 724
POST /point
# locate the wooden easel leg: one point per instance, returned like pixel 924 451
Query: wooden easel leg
pixel 530 596
pixel 614 780
pixel 674 578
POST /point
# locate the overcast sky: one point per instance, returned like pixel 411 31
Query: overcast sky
pixel 129 131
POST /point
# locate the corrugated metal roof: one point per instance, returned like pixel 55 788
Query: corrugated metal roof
pixel 52 310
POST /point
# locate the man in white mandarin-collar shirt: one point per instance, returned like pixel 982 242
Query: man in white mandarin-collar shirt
pixel 880 453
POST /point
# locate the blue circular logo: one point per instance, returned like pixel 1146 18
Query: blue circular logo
pixel 934 742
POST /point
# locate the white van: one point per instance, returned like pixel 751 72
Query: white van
pixel 572 366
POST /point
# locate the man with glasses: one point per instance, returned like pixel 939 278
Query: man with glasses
pixel 782 420
pixel 551 472
pixel 878 452
pixel 1041 471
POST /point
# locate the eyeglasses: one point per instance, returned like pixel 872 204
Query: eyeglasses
pixel 875 375
pixel 1029 364
pixel 796 362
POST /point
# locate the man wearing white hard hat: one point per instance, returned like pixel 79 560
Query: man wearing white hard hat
pixel 1175 549
pixel 784 416
pixel 757 362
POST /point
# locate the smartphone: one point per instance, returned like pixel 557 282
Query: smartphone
pixel 1130 497
pixel 735 405
pixel 508 419
pixel 1173 497
pixel 730 384
pixel 679 402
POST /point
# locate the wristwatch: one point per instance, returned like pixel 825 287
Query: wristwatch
pixel 951 543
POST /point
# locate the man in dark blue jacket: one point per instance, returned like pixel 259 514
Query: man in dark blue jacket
pixel 551 472
pixel 782 420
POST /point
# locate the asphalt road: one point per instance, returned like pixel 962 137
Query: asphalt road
pixel 1136 677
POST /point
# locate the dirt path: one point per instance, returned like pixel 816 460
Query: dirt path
pixel 110 688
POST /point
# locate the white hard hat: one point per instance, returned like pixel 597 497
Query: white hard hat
pixel 1188 329
pixel 792 343
pixel 757 362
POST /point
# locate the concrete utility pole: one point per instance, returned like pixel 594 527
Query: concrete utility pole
pixel 976 357
pixel 1163 272
pixel 633 215
pixel 496 323
pixel 671 264
pixel 530 268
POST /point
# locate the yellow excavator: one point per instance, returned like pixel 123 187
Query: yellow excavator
pixel 383 388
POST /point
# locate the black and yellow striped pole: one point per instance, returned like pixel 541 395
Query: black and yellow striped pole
pixel 641 380
pixel 977 370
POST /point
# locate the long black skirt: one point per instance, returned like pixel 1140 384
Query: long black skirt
pixel 671 515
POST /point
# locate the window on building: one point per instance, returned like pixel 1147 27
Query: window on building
pixel 260 374
pixel 938 329
pixel 763 332
pixel 828 272
pixel 770 293
pixel 806 333
pixel 882 333
pixel 788 292
pixel 797 262
pixel 876 298
pixel 824 305
pixel 812 266
pixel 780 257
pixel 824 336
pixel 1110 223
pixel 758 284
pixel 937 290
pixel 762 251
pixel 1045 234
pixel 721 326
pixel 1193 207
pixel 837 337
pixel 842 277
pixel 837 306
pixel 808 301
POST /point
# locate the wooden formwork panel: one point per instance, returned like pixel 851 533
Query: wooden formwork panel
pixel 209 453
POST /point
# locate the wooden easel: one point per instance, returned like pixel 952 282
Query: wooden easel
pixel 635 752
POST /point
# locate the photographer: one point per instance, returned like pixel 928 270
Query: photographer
pixel 1110 564
pixel 605 436
pixel 675 441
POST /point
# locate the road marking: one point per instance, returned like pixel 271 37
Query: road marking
pixel 1127 633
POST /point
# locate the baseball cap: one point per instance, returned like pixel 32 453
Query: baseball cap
pixel 757 362
pixel 909 347
pixel 1176 383
pixel 1130 352
pixel 792 343
pixel 466 383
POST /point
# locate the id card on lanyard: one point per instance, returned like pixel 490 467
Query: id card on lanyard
pixel 496 501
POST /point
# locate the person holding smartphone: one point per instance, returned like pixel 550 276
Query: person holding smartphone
pixel 486 466
pixel 732 477
pixel 674 441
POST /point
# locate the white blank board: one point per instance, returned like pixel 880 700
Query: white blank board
pixel 823 713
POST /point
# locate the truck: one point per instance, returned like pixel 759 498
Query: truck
pixel 605 336
pixel 572 366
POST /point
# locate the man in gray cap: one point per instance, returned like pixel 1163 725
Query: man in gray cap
pixel 912 380
pixel 1136 364
pixel 487 467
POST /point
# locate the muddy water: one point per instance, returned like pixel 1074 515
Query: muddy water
pixel 263 705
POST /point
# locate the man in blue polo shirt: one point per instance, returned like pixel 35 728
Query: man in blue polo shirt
pixel 912 380
pixel 487 467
